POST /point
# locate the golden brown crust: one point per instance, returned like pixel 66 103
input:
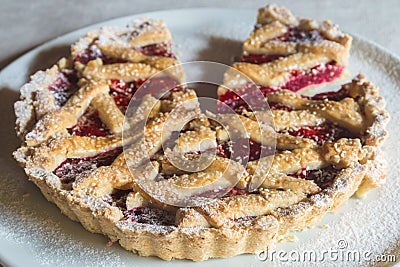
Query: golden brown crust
pixel 373 108
pixel 36 98
pixel 52 153
pixel 97 216
pixel 198 244
pixel 345 113
pixel 84 204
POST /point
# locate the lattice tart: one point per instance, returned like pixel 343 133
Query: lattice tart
pixel 76 150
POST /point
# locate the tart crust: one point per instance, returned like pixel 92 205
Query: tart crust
pixel 209 231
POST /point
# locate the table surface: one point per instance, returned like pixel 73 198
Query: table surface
pixel 26 24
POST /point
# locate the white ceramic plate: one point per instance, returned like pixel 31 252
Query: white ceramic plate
pixel 33 232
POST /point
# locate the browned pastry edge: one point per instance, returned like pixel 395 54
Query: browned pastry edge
pixel 169 242
pixel 35 99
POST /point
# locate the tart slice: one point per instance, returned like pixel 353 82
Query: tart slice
pixel 88 95
pixel 142 41
pixel 288 52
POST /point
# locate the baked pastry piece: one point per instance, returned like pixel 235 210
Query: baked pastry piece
pixel 288 52
pixel 46 92
pixel 328 147
pixel 106 69
pixel 141 41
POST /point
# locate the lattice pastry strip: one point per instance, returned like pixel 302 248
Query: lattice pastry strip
pixel 222 212
pixel 345 113
pixel 285 120
pixel 276 180
pixel 143 41
pixel 39 96
pixel 51 154
pixel 128 72
pixel 57 122
pixel 276 73
pixel 100 182
pixel 263 134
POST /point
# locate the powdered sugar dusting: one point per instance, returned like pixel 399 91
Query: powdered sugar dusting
pixel 29 221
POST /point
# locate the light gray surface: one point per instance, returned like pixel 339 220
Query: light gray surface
pixel 25 23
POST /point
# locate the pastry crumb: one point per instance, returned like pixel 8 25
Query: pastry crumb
pixel 109 243
pixel 289 238
pixel 324 226
pixel 25 195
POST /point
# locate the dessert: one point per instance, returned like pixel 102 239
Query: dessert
pixel 288 52
pixel 85 149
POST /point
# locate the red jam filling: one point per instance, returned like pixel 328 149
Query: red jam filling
pixel 89 124
pixel 69 168
pixel 237 191
pixel 250 93
pixel 93 52
pixel 247 150
pixel 233 101
pixel 319 134
pixel 117 198
pixel 322 133
pixel 122 92
pixel 260 58
pixel 151 216
pixel 319 74
pixel 64 86
pixel 335 95
pixel 160 49
pixel 322 177
pixel 297 35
